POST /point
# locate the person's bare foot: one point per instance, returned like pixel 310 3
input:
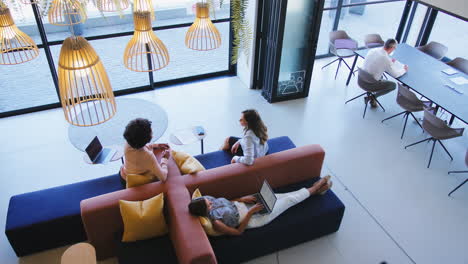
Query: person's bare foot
pixel 318 185
pixel 325 188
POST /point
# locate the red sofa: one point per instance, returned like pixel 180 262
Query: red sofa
pixel 103 224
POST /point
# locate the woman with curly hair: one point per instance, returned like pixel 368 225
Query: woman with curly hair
pixel 138 154
pixel 253 143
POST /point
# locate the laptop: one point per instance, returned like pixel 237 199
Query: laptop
pixel 97 154
pixel 267 197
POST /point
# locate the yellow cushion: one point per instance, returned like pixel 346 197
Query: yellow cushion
pixel 205 221
pixel 143 219
pixel 134 180
pixel 186 163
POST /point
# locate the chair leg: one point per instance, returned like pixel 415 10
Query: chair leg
pixel 445 149
pixel 338 68
pixel 458 187
pixel 330 63
pixel 419 142
pixel 375 98
pixel 404 126
pixel 355 98
pixel 393 116
pixel 415 119
pixel 365 108
pixel 457 172
pixel 432 152
pixel 348 66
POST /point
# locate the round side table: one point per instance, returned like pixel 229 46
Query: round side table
pixel 187 136
pixel 81 253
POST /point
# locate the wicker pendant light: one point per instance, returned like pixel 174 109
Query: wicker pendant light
pixel 112 5
pixel 85 91
pixel 66 13
pixel 145 52
pixel 15 46
pixel 202 35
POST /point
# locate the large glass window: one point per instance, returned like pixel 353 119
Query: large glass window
pixel 359 21
pixel 359 18
pixel 31 85
pixel 451 32
pixel 328 18
pixel 416 24
pixel 26 85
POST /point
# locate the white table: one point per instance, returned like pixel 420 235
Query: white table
pixel 187 136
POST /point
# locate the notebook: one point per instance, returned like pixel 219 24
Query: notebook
pixel 266 197
pixel 97 154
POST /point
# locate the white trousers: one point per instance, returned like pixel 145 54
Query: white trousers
pixel 284 202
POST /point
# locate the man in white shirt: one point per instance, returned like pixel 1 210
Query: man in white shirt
pixel 376 63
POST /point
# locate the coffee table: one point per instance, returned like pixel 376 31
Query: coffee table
pixel 187 136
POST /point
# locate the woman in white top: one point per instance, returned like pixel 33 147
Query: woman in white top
pixel 253 143
pixel 138 153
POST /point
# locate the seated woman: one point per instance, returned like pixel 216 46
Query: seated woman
pixel 233 217
pixel 253 143
pixel 138 154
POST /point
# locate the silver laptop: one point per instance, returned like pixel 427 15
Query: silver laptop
pixel 267 197
pixel 97 154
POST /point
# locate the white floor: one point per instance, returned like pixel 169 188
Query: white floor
pixel 396 210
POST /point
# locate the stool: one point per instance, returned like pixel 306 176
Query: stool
pixel 81 253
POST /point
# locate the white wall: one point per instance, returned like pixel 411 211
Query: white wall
pixel 458 7
pixel 245 65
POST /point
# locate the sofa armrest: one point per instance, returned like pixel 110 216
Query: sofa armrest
pixel 188 237
pixel 102 220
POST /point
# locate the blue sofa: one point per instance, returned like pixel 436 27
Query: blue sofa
pixel 51 218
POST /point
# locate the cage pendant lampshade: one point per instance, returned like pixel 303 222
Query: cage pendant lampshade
pixel 112 5
pixel 66 13
pixel 202 35
pixel 143 6
pixel 15 46
pixel 145 52
pixel 85 91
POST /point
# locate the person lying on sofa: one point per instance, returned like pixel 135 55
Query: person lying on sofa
pixel 233 217
pixel 138 154
pixel 253 143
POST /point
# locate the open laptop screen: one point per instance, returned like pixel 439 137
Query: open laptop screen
pixel 94 148
pixel 268 195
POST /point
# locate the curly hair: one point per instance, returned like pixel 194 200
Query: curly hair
pixel 138 132
pixel 255 123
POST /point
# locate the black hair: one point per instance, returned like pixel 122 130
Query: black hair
pixel 138 132
pixel 390 43
pixel 198 207
pixel 255 123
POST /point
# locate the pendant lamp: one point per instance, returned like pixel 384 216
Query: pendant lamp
pixel 85 90
pixel 66 13
pixel 145 52
pixel 202 35
pixel 15 46
pixel 112 5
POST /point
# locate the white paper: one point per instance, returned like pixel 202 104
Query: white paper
pixel 185 136
pixel 459 80
pixel 449 71
pixel 398 68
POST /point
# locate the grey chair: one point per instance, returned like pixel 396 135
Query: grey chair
pixel 438 130
pixel 466 171
pixel 342 46
pixel 365 81
pixel 460 64
pixel 373 41
pixel 434 49
pixel 410 103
